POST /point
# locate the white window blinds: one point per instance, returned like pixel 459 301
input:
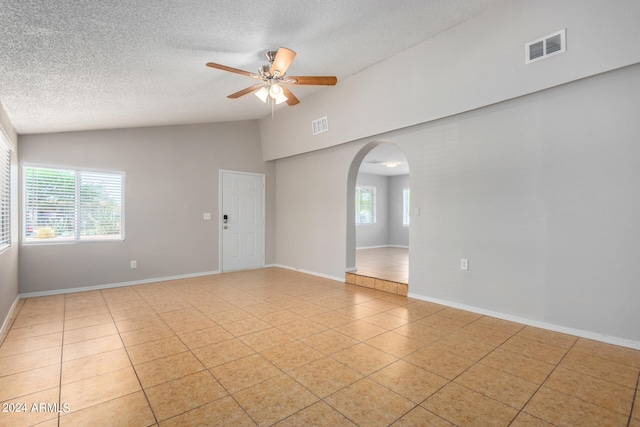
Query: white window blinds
pixel 100 205
pixel 66 204
pixel 5 194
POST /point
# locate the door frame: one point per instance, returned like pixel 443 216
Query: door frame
pixel 221 172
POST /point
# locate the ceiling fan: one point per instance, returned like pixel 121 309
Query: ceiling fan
pixel 272 87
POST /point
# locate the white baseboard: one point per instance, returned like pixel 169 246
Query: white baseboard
pixel 622 342
pixel 157 279
pixel 351 269
pixel 115 285
pixel 5 324
pixel 312 273
pixel 382 246
pixel 160 279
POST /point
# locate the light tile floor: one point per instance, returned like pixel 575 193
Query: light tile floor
pixel 384 263
pixel 276 347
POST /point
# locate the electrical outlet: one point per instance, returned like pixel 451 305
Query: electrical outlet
pixel 134 264
pixel 207 216
pixel 464 264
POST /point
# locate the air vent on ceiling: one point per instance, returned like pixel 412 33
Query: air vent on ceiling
pixel 546 46
pixel 320 125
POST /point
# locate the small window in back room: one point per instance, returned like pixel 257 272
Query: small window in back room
pixel 405 206
pixel 365 204
pixel 62 205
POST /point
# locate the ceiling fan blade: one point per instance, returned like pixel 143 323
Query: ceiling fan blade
pixel 245 91
pixel 282 61
pixel 313 80
pixel 291 98
pixel 230 69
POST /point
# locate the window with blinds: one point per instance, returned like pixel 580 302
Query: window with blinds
pixel 5 194
pixel 72 205
pixel 365 204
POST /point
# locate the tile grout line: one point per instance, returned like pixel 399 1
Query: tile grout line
pixel 633 401
pixel 416 405
pixel 118 333
pixel 543 382
pixel 320 399
pixel 64 319
pixel 474 364
pixel 217 381
pixel 129 357
pixel 196 357
pixel 403 359
pixel 592 376
pixel 450 381
pixel 323 399
pixel 330 356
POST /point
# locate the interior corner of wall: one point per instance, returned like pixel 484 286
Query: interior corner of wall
pixel 7 130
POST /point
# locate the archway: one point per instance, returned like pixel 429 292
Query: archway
pixel 378 236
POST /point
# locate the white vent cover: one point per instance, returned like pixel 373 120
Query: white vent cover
pixel 545 47
pixel 320 125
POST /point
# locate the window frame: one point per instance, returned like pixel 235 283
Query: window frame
pixel 77 236
pixel 372 190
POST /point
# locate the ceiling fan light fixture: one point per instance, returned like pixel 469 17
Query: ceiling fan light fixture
pixel 280 99
pixel 275 90
pixel 269 89
pixel 262 94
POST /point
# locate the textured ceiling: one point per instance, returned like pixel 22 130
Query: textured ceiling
pixel 98 64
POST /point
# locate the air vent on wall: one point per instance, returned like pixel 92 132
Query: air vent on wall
pixel 320 125
pixel 545 47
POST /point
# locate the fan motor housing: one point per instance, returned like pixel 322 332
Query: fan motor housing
pixel 271 55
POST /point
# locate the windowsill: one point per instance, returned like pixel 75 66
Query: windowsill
pixel 68 242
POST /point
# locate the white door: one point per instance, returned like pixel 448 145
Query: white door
pixel 242 220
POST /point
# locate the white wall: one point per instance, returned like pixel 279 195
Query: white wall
pixel 311 202
pixel 398 233
pixel 9 257
pixel 539 193
pixel 477 63
pixel 171 180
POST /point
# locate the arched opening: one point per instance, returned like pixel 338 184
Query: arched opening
pixel 377 251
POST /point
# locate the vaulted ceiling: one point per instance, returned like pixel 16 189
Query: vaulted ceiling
pixel 70 65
